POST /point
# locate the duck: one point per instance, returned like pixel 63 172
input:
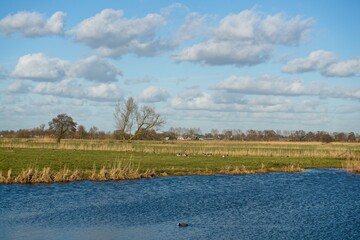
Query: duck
pixel 182 224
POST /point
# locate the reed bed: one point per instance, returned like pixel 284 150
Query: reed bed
pixel 352 166
pixel 120 171
pixel 243 170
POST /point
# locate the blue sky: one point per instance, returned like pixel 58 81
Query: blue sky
pixel 281 65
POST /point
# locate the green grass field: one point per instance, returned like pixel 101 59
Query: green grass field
pixel 202 156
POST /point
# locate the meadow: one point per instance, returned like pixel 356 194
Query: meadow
pixel 44 160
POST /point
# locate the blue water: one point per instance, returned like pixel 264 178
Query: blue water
pixel 316 204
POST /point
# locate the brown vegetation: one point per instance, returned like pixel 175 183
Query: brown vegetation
pixel 352 166
pixel 120 171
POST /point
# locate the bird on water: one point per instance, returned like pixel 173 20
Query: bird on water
pixel 182 224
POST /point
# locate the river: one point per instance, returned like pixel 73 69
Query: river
pixel 315 204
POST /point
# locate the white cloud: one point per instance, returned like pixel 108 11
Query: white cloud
pixel 19 86
pixel 264 85
pixel 32 24
pixel 238 26
pixel 280 30
pixel 347 68
pixel 113 35
pixel 154 94
pixel 247 38
pixel 95 69
pixel 103 92
pixel 194 25
pixel 39 67
pixel 75 89
pixel 315 61
pixel 324 62
pixel 208 102
pixel 267 85
pixel 226 52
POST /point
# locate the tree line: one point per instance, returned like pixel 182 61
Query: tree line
pixel 135 122
pixel 189 134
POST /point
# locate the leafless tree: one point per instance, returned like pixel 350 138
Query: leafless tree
pixel 125 115
pixel 128 117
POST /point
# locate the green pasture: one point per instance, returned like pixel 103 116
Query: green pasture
pixel 18 158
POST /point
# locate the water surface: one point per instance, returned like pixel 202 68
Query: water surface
pixel 316 204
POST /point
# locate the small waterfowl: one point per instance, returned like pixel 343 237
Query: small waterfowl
pixel 182 224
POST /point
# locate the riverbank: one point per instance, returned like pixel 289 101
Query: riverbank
pixel 35 160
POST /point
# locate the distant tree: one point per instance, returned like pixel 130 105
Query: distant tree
pixel 326 138
pixel 351 137
pixel 227 134
pixel 61 125
pixel 298 136
pixel 310 137
pixel 270 135
pixel 129 117
pixel 93 132
pixel 81 132
pixel 215 133
pixel 252 135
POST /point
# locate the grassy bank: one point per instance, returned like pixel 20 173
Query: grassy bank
pixel 164 158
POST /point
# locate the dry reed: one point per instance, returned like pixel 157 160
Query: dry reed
pixel 352 166
pixel 119 171
pixel 263 169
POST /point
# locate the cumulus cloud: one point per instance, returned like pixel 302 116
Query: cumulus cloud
pixel 315 61
pixel 113 35
pixel 247 38
pixel 32 24
pixel 347 68
pixel 280 30
pixel 41 68
pixel 226 52
pixel 194 25
pixel 154 94
pixel 75 89
pixel 326 63
pixel 95 69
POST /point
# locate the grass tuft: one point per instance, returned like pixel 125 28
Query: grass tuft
pixel 352 166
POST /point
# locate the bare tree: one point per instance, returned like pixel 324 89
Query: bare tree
pixel 62 125
pixel 129 117
pixel 147 119
pixel 125 115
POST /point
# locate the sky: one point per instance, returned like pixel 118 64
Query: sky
pixel 279 65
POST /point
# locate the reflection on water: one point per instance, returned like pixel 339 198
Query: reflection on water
pixel 316 204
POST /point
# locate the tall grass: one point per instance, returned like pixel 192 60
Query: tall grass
pixel 243 170
pixel 352 166
pixel 119 171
